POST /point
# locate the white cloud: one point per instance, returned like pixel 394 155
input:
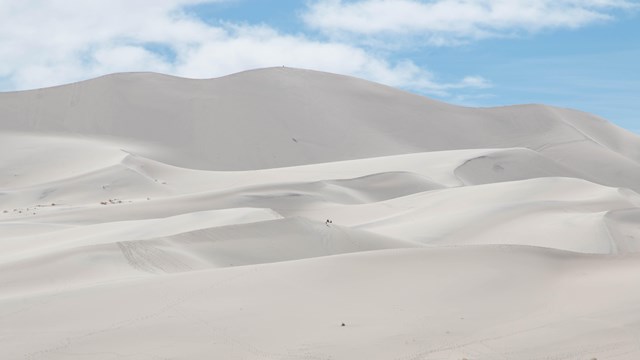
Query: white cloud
pixel 253 47
pixel 450 22
pixel 50 42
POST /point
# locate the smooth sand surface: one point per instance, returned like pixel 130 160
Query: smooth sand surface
pixel 144 216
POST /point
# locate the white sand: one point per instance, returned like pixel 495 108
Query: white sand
pixel 144 216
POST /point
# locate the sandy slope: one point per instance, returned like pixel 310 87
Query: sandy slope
pixel 146 216
pixel 446 303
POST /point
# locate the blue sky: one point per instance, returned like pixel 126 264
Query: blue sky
pixel 582 54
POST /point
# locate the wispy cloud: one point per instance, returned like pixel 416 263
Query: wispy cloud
pixel 451 22
pixel 49 42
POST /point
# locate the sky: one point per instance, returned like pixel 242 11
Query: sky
pixel 582 54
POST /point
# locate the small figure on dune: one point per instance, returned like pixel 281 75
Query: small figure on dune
pixel 328 222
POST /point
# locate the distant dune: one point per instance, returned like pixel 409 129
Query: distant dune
pixel 292 214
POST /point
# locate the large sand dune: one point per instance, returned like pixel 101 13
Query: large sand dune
pixel 145 216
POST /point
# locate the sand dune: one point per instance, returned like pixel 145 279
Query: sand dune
pixel 558 213
pixel 250 216
pixel 477 303
pixel 108 232
pixel 295 117
pixel 111 257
